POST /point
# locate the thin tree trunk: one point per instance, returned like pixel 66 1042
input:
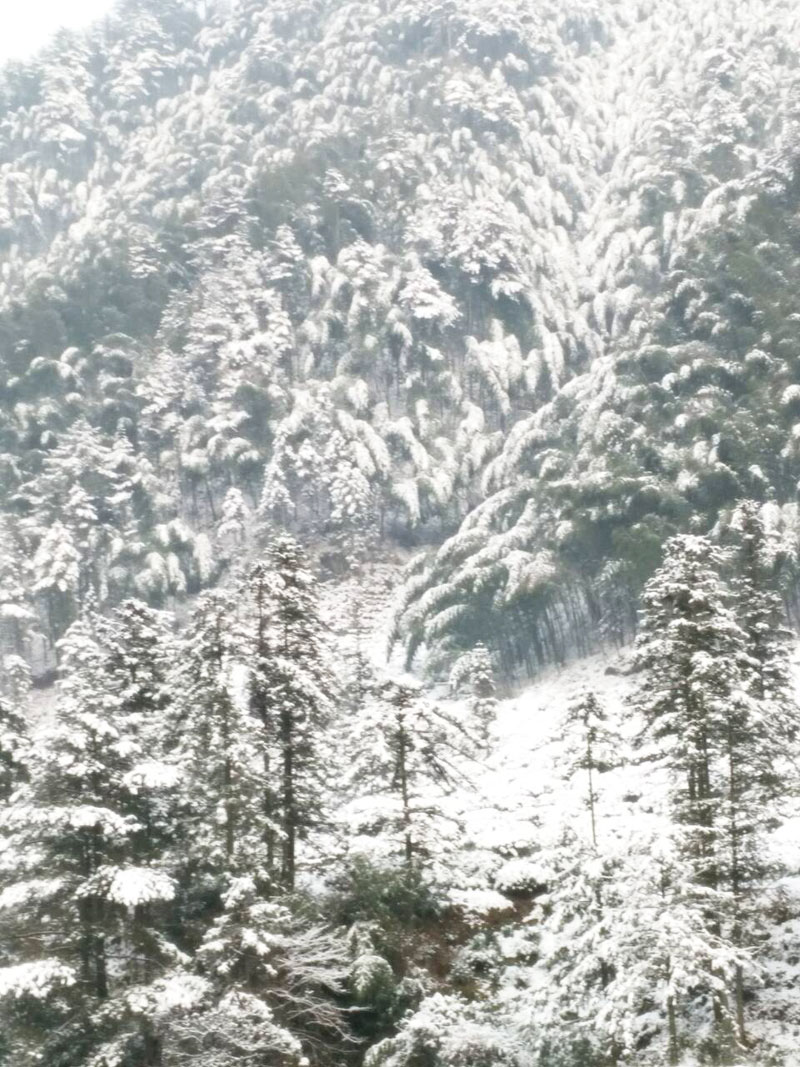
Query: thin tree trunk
pixel 99 950
pixel 260 706
pixel 289 804
pixel 402 759
pixel 672 1024
pixel 733 801
pixel 591 793
pixel 230 817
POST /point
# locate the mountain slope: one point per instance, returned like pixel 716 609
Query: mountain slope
pixel 518 277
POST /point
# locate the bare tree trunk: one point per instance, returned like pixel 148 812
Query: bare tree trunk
pixel 589 757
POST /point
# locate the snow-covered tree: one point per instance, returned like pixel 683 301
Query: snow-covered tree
pixel 14 744
pixel 592 748
pixel 289 969
pixel 405 755
pixel 476 669
pixel 691 648
pixel 235 1029
pixel 633 970
pixel 91 877
pixel 721 748
pixel 17 614
pixel 15 679
pixel 218 747
pixel 449 1031
pixel 760 731
pixel 56 567
pixel 762 616
pixel 291 684
pixel 234 520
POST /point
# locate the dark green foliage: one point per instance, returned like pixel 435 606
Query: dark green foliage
pixel 385 896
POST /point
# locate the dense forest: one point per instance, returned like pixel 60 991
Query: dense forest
pixel 399 536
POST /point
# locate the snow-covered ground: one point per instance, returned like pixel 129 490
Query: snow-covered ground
pixel 530 794
pixel 528 790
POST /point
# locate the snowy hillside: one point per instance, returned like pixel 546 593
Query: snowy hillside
pixel 511 283
pixel 400 536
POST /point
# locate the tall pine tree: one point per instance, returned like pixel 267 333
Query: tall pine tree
pixel 718 740
pixel 291 683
